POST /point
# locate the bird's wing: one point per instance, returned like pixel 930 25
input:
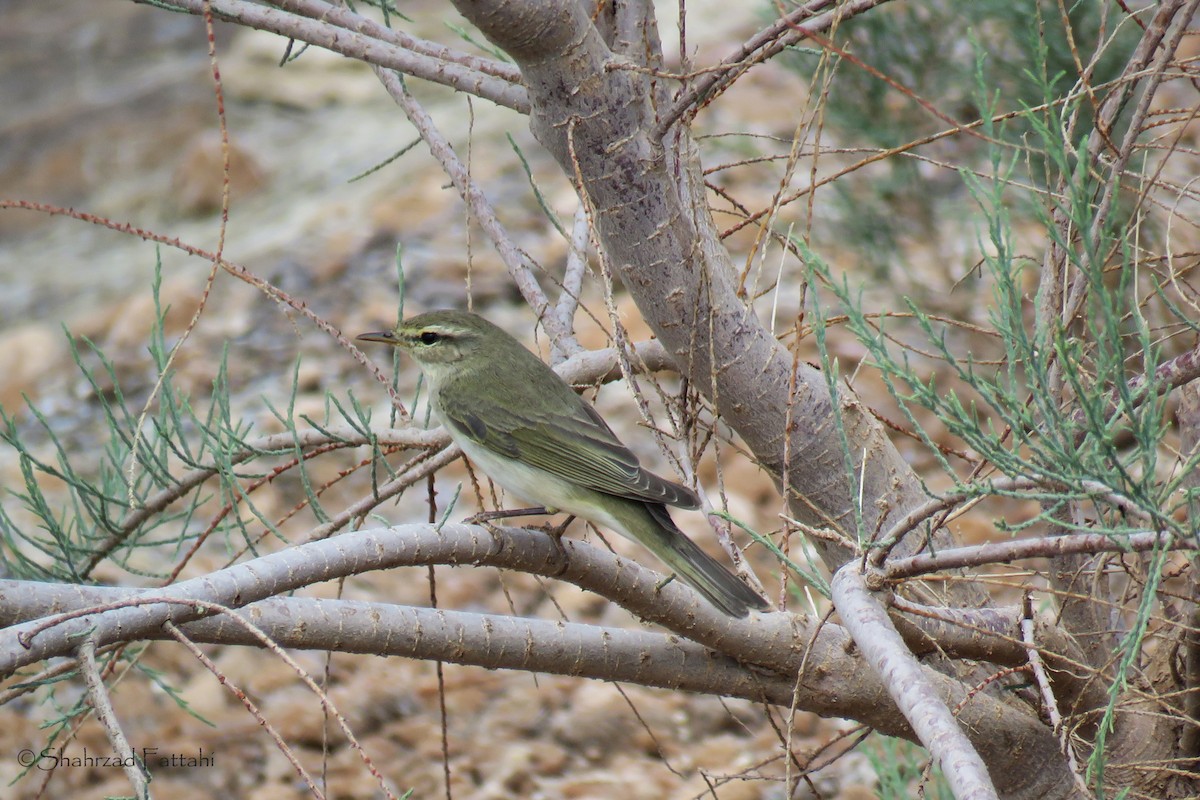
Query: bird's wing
pixel 572 442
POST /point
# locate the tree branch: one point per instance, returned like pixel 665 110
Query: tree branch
pixel 767 43
pixel 1051 547
pixel 831 679
pixel 639 656
pixel 496 642
pixel 908 685
pixel 994 635
pixel 286 442
pixel 1045 687
pixel 345 18
pixel 459 71
pixel 381 548
pixel 85 656
pixel 572 285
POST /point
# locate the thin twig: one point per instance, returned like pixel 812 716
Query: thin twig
pixel 326 703
pixel 1048 547
pixel 283 747
pixel 1093 490
pixel 345 18
pixel 85 656
pixel 572 285
pixel 362 47
pixel 733 65
pixel 1114 104
pixel 520 266
pixel 1049 703
pixel 395 486
pixel 214 270
pixel 289 441
pixel 236 270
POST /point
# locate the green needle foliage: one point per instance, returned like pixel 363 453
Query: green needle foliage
pixel 901 767
pixel 168 473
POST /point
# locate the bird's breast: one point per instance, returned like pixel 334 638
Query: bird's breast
pixel 536 485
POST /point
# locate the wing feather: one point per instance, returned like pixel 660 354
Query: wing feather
pixel 572 442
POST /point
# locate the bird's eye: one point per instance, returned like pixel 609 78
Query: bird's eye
pixel 429 337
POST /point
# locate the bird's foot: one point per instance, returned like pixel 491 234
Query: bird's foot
pixel 555 532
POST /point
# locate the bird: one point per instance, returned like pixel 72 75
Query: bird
pixel 531 433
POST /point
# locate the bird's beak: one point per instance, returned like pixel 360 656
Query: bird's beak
pixel 383 337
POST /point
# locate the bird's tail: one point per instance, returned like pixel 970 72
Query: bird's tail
pixel 654 528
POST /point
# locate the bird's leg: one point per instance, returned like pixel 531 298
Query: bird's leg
pixel 507 513
pixel 658 587
pixel 554 532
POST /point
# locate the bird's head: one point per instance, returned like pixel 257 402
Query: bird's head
pixel 442 340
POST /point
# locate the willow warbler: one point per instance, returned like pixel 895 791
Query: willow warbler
pixel 531 433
